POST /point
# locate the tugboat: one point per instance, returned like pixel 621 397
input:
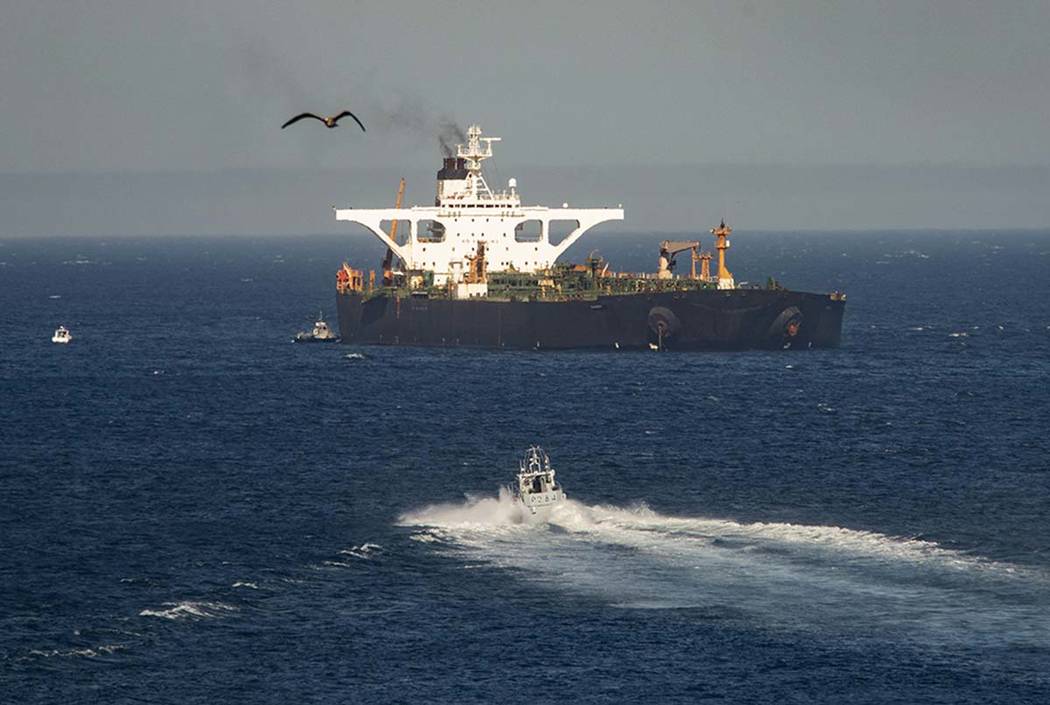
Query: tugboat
pixel 61 336
pixel 321 333
pixel 537 488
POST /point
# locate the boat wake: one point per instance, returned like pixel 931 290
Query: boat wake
pixel 778 575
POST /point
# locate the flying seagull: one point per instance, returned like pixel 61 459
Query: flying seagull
pixel 329 122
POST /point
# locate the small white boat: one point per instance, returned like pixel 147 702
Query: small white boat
pixel 537 488
pixel 321 333
pixel 62 335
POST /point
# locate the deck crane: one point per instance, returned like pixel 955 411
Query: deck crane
pixel 670 248
pixel 388 260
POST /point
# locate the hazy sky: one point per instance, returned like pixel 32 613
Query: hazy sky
pixel 187 86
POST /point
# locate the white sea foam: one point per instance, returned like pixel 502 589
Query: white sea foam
pixel 502 514
pixel 245 584
pixel 475 512
pixel 102 650
pixel 781 574
pixel 365 551
pixel 190 610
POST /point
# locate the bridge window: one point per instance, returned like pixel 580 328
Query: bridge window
pixel 430 231
pixel 529 231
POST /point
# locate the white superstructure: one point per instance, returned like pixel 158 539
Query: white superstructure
pixel 321 333
pixel 536 487
pixel 467 212
pixel 61 336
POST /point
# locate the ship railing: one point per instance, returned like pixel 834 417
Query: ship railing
pixel 450 212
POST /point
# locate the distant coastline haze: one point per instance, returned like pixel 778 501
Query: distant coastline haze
pixel 142 118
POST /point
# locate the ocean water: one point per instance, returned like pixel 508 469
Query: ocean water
pixel 195 510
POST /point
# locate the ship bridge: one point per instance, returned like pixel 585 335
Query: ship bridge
pixel 467 212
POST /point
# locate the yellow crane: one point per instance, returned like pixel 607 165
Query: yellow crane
pixel 388 272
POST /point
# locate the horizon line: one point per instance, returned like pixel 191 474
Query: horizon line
pixel 953 166
pixel 613 233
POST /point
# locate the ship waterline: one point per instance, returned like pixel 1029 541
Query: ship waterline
pixel 740 319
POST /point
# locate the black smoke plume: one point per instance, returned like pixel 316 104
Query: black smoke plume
pixel 411 115
pixel 449 135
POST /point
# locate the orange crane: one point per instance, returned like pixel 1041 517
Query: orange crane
pixel 388 261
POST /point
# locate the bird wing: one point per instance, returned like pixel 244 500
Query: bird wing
pixel 299 117
pixel 347 112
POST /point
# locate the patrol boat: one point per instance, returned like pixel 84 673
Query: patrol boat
pixel 537 488
pixel 62 336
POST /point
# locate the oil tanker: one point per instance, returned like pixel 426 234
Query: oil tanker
pixel 480 269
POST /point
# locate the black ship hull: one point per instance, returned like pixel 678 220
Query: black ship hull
pixel 738 319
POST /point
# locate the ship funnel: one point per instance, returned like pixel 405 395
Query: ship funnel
pixel 452 168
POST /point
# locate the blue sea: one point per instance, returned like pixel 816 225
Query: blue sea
pixel 195 510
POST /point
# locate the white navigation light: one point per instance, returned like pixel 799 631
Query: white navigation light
pixel 512 183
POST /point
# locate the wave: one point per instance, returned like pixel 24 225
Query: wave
pixel 779 575
pixel 85 652
pixel 190 610
pixel 365 551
